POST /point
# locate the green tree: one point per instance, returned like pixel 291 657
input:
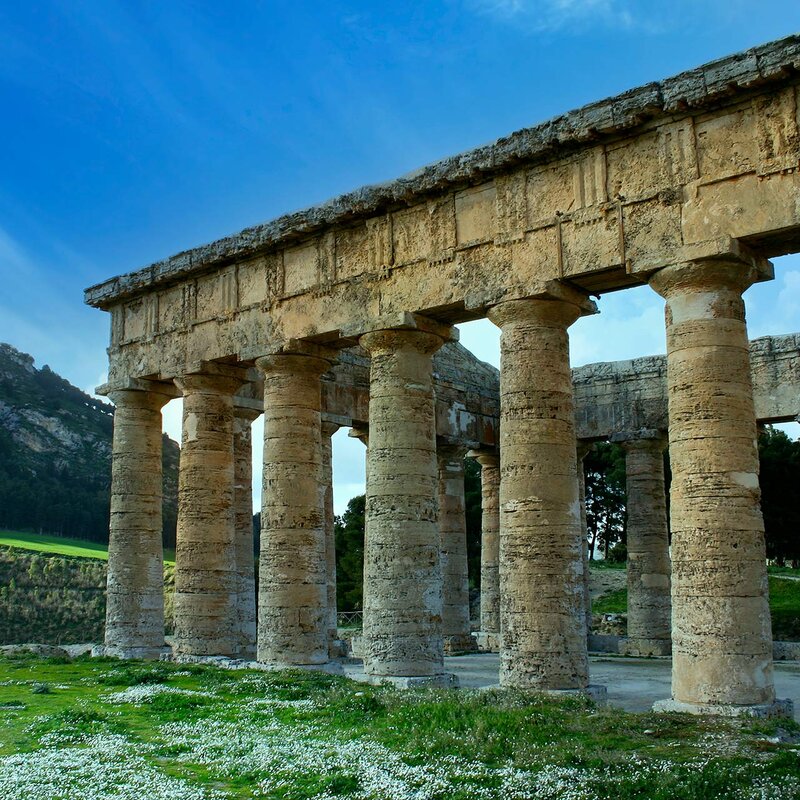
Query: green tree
pixel 350 556
pixel 604 474
pixel 780 476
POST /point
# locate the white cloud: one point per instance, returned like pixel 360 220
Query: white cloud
pixel 554 15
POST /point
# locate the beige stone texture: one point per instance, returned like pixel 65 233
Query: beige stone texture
pixel 542 606
pixel 402 573
pixel 583 449
pixel 206 577
pixel 293 609
pixel 135 596
pixel 243 417
pixel 649 606
pixel 489 637
pixel 721 630
pixel 453 554
pixel 327 431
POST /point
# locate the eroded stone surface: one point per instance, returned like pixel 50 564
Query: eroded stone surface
pixel 207 584
pixel 293 610
pixel 648 569
pixel 135 596
pixel 542 606
pixel 721 630
pixel 402 572
pixel 489 635
pixel 453 538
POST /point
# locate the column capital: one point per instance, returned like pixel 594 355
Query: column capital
pixel 295 363
pixel 329 428
pixel 555 309
pixel 643 439
pixel 144 398
pixel 451 450
pixel 212 378
pixel 486 458
pixel 402 321
pixel 360 432
pixel 390 340
pixel 735 272
pixel 583 447
pixel 247 412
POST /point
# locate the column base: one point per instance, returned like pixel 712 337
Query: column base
pixel 779 708
pixel 460 643
pixel 488 641
pixel 442 680
pixel 595 692
pixel 645 647
pixel 139 653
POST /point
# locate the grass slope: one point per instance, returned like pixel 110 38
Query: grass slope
pixel 57 545
pixel 63 546
pixel 784 603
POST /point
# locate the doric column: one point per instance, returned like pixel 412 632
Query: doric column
pixel 243 511
pixel 206 572
pixel 402 577
pixel 328 429
pixel 135 599
pixel 648 544
pixel 721 632
pixel 489 635
pixel 453 553
pixel 582 450
pixel 293 573
pixel 542 608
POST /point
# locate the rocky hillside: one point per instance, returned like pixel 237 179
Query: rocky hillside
pixel 55 454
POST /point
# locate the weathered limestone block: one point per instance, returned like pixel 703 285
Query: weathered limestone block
pixel 721 631
pixel 489 635
pixel 135 598
pixel 542 605
pixel 243 504
pixel 453 554
pixel 327 430
pixel 583 449
pixel 207 581
pixel 293 609
pixel 648 544
pixel 402 574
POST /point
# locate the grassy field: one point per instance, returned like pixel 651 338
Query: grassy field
pixel 62 545
pixel 784 603
pixel 92 729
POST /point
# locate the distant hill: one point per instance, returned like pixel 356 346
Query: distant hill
pixel 55 455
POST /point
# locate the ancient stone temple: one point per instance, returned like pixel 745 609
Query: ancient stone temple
pixel 689 185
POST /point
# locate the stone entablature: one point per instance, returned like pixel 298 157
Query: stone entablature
pixel 617 396
pixel 696 166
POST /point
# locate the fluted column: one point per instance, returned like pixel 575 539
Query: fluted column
pixel 648 544
pixel 721 631
pixel 243 511
pixel 135 597
pixel 402 576
pixel 206 572
pixel 582 450
pixel 489 634
pixel 453 554
pixel 542 608
pixel 293 621
pixel 327 431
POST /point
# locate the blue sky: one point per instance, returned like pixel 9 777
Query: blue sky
pixel 132 130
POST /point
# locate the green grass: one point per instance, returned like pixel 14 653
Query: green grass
pixel 300 735
pixel 784 603
pixel 62 545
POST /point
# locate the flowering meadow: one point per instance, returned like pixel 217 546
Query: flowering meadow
pixel 91 729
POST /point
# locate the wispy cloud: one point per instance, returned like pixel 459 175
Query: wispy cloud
pixel 557 15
